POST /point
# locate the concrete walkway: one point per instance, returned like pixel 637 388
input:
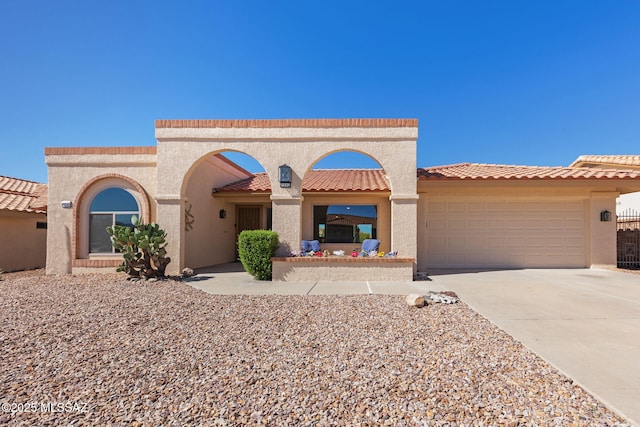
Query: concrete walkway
pixel 584 322
pixel 231 279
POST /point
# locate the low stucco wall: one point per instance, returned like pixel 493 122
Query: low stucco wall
pixel 310 269
pixel 23 246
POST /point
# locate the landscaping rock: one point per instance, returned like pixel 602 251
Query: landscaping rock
pixel 188 272
pixel 166 353
pixel 415 300
pixel 446 297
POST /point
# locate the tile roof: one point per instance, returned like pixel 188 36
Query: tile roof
pixel 321 180
pixel 258 183
pixel 22 195
pixel 288 123
pixel 621 160
pixel 345 180
pixel 478 171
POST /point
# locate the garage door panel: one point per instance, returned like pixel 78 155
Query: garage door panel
pixel 506 233
pixel 453 207
pixel 476 224
pixel 476 207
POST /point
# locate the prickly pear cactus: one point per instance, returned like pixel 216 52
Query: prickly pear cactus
pixel 142 247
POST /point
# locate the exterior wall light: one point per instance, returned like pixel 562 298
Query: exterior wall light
pixel 66 204
pixel 605 216
pixel 284 176
pixel 223 214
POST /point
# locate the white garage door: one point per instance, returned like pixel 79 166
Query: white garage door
pixel 505 233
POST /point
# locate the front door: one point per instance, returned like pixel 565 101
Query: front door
pixel 247 218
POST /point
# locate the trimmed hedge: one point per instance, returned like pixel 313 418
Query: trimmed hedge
pixel 256 247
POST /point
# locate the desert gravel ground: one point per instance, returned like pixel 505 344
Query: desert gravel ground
pixel 98 350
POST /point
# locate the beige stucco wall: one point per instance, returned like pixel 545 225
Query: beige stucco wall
pixel 69 171
pixel 179 149
pixel 310 269
pixel 22 245
pixel 603 235
pixel 599 237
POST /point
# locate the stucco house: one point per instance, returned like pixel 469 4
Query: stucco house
pixel 628 204
pixel 23 224
pixel 455 216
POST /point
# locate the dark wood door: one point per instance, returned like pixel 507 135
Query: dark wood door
pixel 247 218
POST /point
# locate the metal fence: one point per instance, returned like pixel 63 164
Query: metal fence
pixel 628 226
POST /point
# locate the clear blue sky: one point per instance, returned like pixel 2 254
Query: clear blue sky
pixel 536 82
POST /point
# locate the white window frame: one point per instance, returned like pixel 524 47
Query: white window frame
pixel 113 218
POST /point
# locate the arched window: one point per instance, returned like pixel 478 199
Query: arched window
pixel 111 206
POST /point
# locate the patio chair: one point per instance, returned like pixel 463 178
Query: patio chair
pixel 369 245
pixel 310 245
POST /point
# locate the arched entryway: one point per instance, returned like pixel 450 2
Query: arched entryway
pixel 212 218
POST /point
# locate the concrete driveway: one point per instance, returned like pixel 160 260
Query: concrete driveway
pixel 584 322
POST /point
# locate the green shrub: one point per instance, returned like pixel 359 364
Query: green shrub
pixel 143 248
pixel 256 247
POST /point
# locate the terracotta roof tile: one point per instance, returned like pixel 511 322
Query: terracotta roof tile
pixel 258 183
pixel 345 180
pixel 621 160
pixel 322 180
pixel 501 172
pixel 22 195
pixel 288 123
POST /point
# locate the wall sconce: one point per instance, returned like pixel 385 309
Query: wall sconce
pixel 605 216
pixel 66 204
pixel 284 176
pixel 223 214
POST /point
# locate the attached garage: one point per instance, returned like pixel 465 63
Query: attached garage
pixel 500 232
pixel 501 216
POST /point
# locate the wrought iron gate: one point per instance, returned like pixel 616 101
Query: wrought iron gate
pixel 629 239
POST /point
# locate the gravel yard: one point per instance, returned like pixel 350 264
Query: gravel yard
pixel 98 350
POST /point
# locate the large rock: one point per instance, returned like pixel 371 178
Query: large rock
pixel 415 300
pixel 188 272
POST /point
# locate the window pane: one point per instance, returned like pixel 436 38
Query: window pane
pixel 345 223
pixel 365 231
pixel 99 241
pixel 114 200
pixel 319 219
pixel 124 219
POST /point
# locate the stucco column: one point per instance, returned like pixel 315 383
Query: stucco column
pixel 287 222
pixel 170 217
pixel 404 219
pixel 603 237
pixel 59 239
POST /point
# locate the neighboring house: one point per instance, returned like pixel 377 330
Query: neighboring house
pixel 23 224
pixel 457 216
pixel 627 203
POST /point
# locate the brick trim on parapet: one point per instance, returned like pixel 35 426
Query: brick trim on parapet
pixel 79 151
pixel 97 263
pixel 75 241
pixel 288 123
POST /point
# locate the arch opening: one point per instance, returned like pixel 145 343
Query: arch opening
pixel 105 201
pixel 225 192
pixel 346 200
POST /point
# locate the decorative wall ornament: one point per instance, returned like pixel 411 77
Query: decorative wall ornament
pixel 188 217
